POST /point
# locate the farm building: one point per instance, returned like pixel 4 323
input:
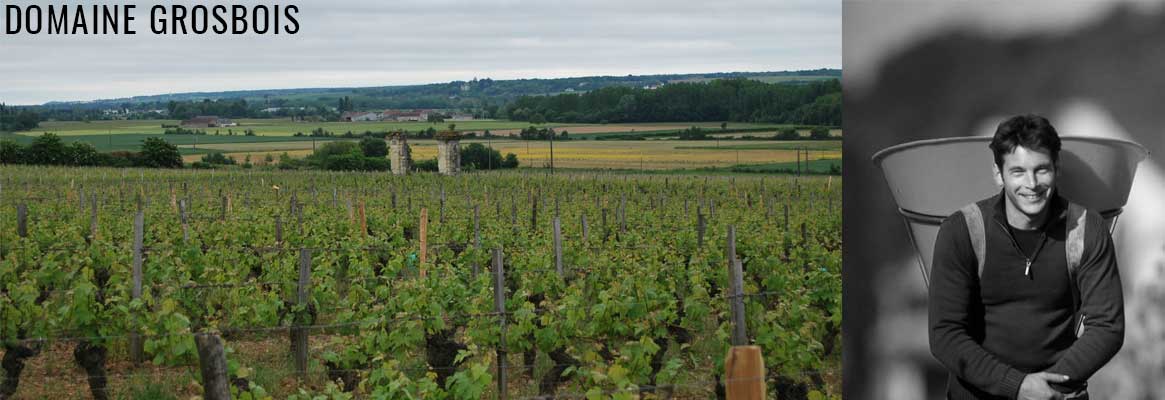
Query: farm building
pixel 203 121
pixel 356 116
pixel 405 115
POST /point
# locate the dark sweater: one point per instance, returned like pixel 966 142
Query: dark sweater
pixel 991 331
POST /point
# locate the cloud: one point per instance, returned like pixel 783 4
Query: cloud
pixel 371 43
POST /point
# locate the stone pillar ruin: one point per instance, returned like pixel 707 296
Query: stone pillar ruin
pixel 398 154
pixel 448 153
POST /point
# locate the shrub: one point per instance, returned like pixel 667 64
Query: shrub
pixel 477 156
pixel 82 154
pixel 819 133
pixel 218 158
pixel 788 134
pixel 511 161
pixel 372 147
pixel 158 153
pixel 426 165
pixel 337 148
pixel 11 152
pixel 48 149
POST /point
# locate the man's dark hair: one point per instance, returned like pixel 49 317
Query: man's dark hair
pixel 1030 131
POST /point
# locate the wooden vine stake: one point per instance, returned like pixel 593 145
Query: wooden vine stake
pixel 476 237
pixel 351 214
pixel 212 363
pixel 363 221
pixel 93 218
pixel 135 341
pixel 623 214
pixel 736 285
pixel 500 309
pixel 299 333
pixel 786 217
pixel 701 225
pixel 585 228
pixel 424 239
pixel 22 220
pixel 744 371
pixel 278 231
pixel 558 246
pixel 185 224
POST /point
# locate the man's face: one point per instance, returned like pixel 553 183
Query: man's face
pixel 1028 178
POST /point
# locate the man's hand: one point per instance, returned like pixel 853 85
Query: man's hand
pixel 1035 386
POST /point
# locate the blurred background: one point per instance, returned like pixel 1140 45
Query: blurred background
pixel 920 70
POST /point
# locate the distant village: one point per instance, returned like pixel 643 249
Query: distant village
pixel 210 121
pixel 403 116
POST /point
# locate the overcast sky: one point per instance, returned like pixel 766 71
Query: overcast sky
pixel 394 42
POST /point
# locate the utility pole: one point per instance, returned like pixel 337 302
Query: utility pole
pixel 551 152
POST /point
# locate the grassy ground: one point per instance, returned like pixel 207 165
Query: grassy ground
pixel 52 374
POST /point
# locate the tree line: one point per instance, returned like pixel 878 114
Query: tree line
pixel 17 118
pixel 736 100
pixel 49 149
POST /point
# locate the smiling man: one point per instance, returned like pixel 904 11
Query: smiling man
pixel 1025 296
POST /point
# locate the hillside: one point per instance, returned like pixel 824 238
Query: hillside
pixel 474 93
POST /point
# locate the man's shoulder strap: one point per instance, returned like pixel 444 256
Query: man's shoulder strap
pixel 1077 217
pixel 1074 246
pixel 974 219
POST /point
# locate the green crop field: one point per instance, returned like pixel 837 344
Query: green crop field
pixel 368 285
pixel 813 145
pixel 133 141
pixel 820 166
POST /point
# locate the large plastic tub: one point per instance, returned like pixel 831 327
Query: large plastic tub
pixel 931 179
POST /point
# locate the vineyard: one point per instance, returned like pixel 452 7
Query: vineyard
pixel 363 285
